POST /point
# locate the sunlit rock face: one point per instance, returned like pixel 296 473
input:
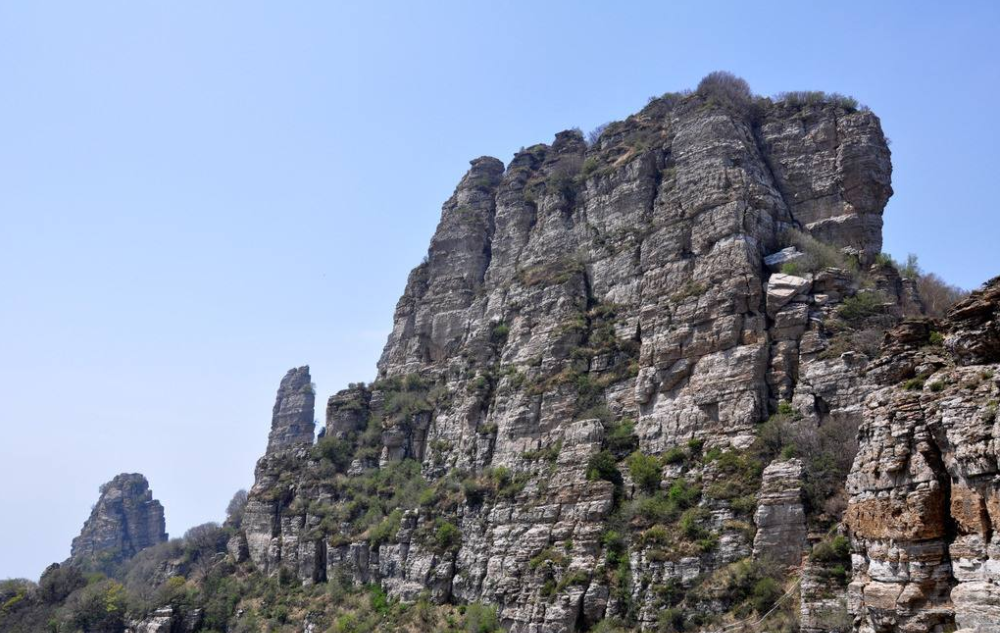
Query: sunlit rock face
pixel 293 421
pixel 125 520
pixel 925 487
pixel 580 288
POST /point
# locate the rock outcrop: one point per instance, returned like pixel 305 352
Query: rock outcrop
pixel 293 421
pixel 167 620
pixel 781 517
pixel 580 293
pixel 925 487
pixel 125 520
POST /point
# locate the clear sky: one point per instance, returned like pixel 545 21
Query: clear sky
pixel 196 196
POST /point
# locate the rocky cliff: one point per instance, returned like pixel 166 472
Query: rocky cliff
pixel 292 422
pixel 925 488
pixel 125 520
pixel 566 421
pixel 659 379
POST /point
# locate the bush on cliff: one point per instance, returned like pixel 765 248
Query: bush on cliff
pixel 645 471
pixel 727 89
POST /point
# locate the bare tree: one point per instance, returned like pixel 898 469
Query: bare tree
pixel 234 511
pixel 937 294
pixel 728 89
pixel 595 134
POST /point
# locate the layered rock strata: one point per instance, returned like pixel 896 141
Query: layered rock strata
pixel 781 518
pixel 293 420
pixel 579 290
pixel 925 487
pixel 125 520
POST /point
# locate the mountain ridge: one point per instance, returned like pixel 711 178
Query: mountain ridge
pixel 623 391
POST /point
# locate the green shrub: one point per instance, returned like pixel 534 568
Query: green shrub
pixel 474 491
pixel 674 455
pixel 378 600
pixel 338 451
pixel 914 384
pixel 816 255
pixel 885 259
pixel 655 509
pixel 682 494
pixel 613 541
pixel 936 339
pixel 548 453
pixel 936 386
pixel 507 485
pixel 480 618
pixel 801 98
pixel 645 471
pixel 708 543
pixel 792 268
pixel 745 504
pixel 97 607
pixel 59 582
pixel 670 620
pixel 547 555
pixel 656 535
pixel 579 578
pixel 727 90
pixel 447 536
pixel 620 437
pixel 691 523
pixel 766 592
pixel 386 530
pixel 500 333
pixel 834 550
pixel 603 465
pixel 861 307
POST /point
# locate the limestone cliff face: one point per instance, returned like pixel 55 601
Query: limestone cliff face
pixel 925 487
pixel 575 292
pixel 292 422
pixel 125 520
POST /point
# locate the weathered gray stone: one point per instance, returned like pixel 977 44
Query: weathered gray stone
pixel 782 289
pixel 626 279
pixel 125 520
pixel 292 422
pixel 775 261
pixel 925 486
pixel 780 517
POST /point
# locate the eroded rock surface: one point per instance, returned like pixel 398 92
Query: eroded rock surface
pixel 125 520
pixel 293 420
pixel 780 517
pixel 925 487
pixel 578 289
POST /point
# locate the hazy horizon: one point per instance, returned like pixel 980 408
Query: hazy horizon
pixel 198 197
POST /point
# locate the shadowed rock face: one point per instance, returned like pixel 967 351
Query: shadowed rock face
pixel 293 421
pixel 625 279
pixel 925 487
pixel 125 520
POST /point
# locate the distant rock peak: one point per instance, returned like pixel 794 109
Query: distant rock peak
pixel 125 520
pixel 292 421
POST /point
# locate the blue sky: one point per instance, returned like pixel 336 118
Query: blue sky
pixel 197 196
